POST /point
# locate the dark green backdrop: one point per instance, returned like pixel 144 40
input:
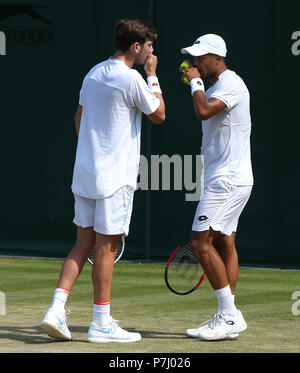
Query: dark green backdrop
pixel 40 78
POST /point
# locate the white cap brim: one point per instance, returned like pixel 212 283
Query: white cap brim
pixel 194 50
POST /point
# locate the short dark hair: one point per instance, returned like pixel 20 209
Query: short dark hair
pixel 131 30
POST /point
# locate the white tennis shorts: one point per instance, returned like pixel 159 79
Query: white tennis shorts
pixel 220 207
pixel 109 215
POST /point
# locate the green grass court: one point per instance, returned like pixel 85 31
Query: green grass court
pixel 141 301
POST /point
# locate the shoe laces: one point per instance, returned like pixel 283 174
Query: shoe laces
pixel 114 323
pixel 213 321
pixel 67 312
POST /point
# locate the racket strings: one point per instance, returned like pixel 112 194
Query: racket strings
pixel 184 270
pixel 118 255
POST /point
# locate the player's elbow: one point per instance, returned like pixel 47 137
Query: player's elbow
pixel 157 118
pixel 202 115
pixel 160 119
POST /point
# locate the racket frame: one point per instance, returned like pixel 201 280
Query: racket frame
pixel 166 274
pixel 90 259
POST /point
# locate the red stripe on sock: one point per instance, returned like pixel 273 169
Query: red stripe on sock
pixel 66 290
pixel 102 303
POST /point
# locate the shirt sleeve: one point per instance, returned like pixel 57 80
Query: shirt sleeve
pixel 230 92
pixel 81 95
pixel 142 96
pixel 80 98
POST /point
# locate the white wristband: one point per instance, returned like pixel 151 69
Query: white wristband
pixel 153 84
pixel 197 85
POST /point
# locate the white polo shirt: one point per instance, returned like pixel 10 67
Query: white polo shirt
pixel 226 135
pixel 113 97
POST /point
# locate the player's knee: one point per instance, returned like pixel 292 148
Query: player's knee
pixel 200 248
pixel 224 243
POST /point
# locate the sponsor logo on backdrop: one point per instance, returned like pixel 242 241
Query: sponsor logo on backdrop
pixel 24 24
pixel 296 45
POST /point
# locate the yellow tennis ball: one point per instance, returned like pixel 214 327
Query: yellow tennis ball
pixel 185 64
pixel 185 79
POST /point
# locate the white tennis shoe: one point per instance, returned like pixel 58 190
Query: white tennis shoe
pixel 112 333
pixel 220 326
pixel 55 325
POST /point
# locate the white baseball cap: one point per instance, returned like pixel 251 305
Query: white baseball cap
pixel 209 43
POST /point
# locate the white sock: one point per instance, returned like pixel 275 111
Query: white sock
pixel 226 301
pixel 101 313
pixel 59 299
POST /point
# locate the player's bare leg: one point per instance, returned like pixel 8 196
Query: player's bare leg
pixel 102 273
pixel 54 322
pixel 104 328
pixel 209 258
pixel 77 257
pixel 225 246
pixel 228 322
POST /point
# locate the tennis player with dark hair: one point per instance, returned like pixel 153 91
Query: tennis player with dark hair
pixel 108 123
pixel 224 110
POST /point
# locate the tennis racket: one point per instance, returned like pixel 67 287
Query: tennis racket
pixel 119 252
pixel 183 272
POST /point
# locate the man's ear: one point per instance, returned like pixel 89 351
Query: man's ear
pixel 135 48
pixel 218 59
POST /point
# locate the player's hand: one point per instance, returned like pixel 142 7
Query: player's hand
pixel 150 65
pixel 191 73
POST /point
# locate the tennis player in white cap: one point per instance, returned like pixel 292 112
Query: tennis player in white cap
pixel 224 110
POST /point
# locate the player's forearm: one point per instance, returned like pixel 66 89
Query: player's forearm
pixel 201 105
pixel 161 111
pixel 159 115
pixel 206 108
